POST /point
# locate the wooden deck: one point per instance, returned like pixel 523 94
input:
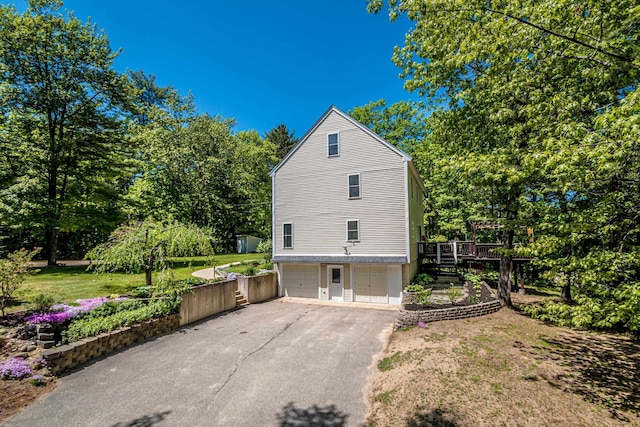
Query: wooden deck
pixel 458 252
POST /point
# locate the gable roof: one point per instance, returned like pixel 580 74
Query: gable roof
pixel 334 109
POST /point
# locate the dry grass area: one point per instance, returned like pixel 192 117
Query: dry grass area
pixel 506 369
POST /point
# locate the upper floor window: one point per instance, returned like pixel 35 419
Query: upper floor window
pixel 354 186
pixel 333 145
pixel 287 235
pixel 353 230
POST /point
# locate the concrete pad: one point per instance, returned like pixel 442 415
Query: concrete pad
pixel 275 363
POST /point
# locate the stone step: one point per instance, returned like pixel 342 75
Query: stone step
pixel 241 300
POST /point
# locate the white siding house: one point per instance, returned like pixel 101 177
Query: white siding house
pixel 347 215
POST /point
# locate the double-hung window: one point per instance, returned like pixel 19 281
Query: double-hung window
pixel 287 235
pixel 333 145
pixel 353 230
pixel 354 186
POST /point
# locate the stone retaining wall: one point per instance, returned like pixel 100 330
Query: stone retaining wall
pixel 204 301
pixel 412 317
pixel 71 355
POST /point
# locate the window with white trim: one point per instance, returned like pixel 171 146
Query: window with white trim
pixel 354 185
pixel 353 230
pixel 333 145
pixel 287 235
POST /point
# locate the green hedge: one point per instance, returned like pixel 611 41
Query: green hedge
pixel 115 315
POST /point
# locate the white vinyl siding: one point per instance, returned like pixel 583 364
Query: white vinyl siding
pixel 287 235
pixel 321 210
pixel 353 184
pixel 353 230
pixel 333 145
pixel 416 216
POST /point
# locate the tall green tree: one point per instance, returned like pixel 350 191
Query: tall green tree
pixel 525 84
pixel 197 171
pixel 402 123
pixel 282 138
pixel 63 135
pixel 147 245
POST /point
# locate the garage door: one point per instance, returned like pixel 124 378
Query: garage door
pixel 300 280
pixel 371 284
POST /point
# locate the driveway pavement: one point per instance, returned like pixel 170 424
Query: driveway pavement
pixel 276 363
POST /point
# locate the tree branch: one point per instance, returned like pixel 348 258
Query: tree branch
pixel 562 36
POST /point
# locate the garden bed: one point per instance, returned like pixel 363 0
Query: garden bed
pixel 471 295
pixel 479 301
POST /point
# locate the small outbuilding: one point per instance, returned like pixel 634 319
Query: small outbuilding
pixel 247 244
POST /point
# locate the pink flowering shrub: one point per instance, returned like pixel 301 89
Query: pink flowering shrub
pixel 14 369
pixel 60 313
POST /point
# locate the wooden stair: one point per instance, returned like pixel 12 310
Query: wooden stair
pixel 241 301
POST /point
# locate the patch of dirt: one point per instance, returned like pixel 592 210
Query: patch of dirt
pixel 17 395
pixel 506 369
pixel 17 340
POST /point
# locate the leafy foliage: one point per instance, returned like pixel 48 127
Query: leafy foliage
pixel 63 156
pixel 13 272
pixel 96 323
pixel 146 246
pixel 283 139
pixel 265 247
pixel 537 126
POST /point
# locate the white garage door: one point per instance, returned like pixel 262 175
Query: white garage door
pixel 371 284
pixel 300 280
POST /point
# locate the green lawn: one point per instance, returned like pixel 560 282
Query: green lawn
pixel 67 284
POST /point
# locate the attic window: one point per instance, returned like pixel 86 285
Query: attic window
pixel 333 146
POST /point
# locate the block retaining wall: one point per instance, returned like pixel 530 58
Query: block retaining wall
pixel 410 315
pixel 73 354
pixel 205 301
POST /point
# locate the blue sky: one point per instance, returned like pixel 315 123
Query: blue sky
pixel 260 62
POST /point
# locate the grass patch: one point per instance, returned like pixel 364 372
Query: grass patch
pixel 386 397
pixel 536 374
pixel 393 361
pixel 67 284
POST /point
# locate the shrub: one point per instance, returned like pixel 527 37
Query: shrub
pixel 37 380
pixel 13 272
pixel 41 303
pixel 423 279
pixel 89 325
pixel 265 248
pixel 266 265
pixel 142 292
pixel 453 293
pixel 250 271
pixel 61 313
pixel 420 294
pixel 14 369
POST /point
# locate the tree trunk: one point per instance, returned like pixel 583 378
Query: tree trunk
pixel 521 290
pixel 147 275
pixel 51 244
pixel 566 290
pixel 506 264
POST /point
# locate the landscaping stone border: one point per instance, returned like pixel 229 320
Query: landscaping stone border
pixel 410 315
pixel 73 354
pixel 204 301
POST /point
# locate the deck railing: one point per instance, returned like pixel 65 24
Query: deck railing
pixel 458 249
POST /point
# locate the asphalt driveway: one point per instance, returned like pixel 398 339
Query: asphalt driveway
pixel 270 364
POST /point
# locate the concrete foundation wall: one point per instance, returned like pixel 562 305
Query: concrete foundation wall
pixel 207 300
pixel 258 288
